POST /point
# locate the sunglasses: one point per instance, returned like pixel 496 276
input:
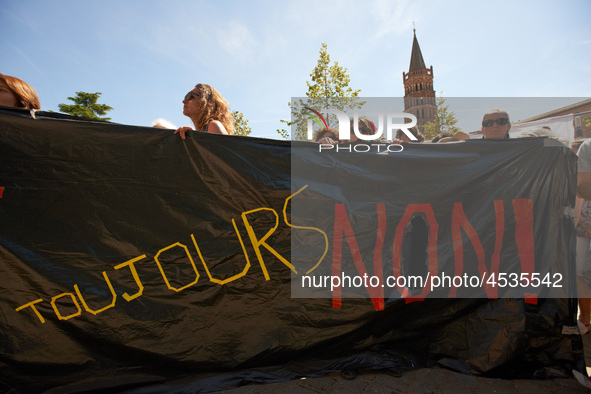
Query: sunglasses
pixel 499 121
pixel 189 96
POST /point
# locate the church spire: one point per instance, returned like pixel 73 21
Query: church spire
pixel 419 95
pixel 416 57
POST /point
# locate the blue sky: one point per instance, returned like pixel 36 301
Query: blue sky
pixel 144 55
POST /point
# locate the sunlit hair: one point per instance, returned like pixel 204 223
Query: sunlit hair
pixel 215 107
pixel 163 124
pixel 497 111
pixel 25 94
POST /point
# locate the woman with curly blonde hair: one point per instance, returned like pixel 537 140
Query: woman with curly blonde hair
pixel 208 110
pixel 15 92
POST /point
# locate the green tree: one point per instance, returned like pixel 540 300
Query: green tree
pixel 329 88
pixel 444 121
pixel 587 121
pixel 241 126
pixel 85 106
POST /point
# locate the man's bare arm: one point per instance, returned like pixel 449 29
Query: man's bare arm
pixel 584 185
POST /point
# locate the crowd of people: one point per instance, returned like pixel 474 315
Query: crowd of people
pixel 210 113
pixel 495 125
pixel 204 105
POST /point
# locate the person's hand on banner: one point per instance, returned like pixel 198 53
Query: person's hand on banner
pixel 182 131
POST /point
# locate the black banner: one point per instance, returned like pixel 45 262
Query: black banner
pixel 132 259
pixel 484 219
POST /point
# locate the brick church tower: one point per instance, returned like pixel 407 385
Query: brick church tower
pixel 419 95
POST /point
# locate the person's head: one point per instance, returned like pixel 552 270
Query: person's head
pixel 544 132
pixel 15 92
pixel 496 124
pixel 204 104
pixel 330 133
pixel 400 135
pixel 364 125
pixel 163 124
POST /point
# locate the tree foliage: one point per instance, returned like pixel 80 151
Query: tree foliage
pixel 86 107
pixel 241 126
pixel 445 121
pixel 329 88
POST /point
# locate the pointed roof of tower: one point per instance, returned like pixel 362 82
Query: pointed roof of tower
pixel 416 57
